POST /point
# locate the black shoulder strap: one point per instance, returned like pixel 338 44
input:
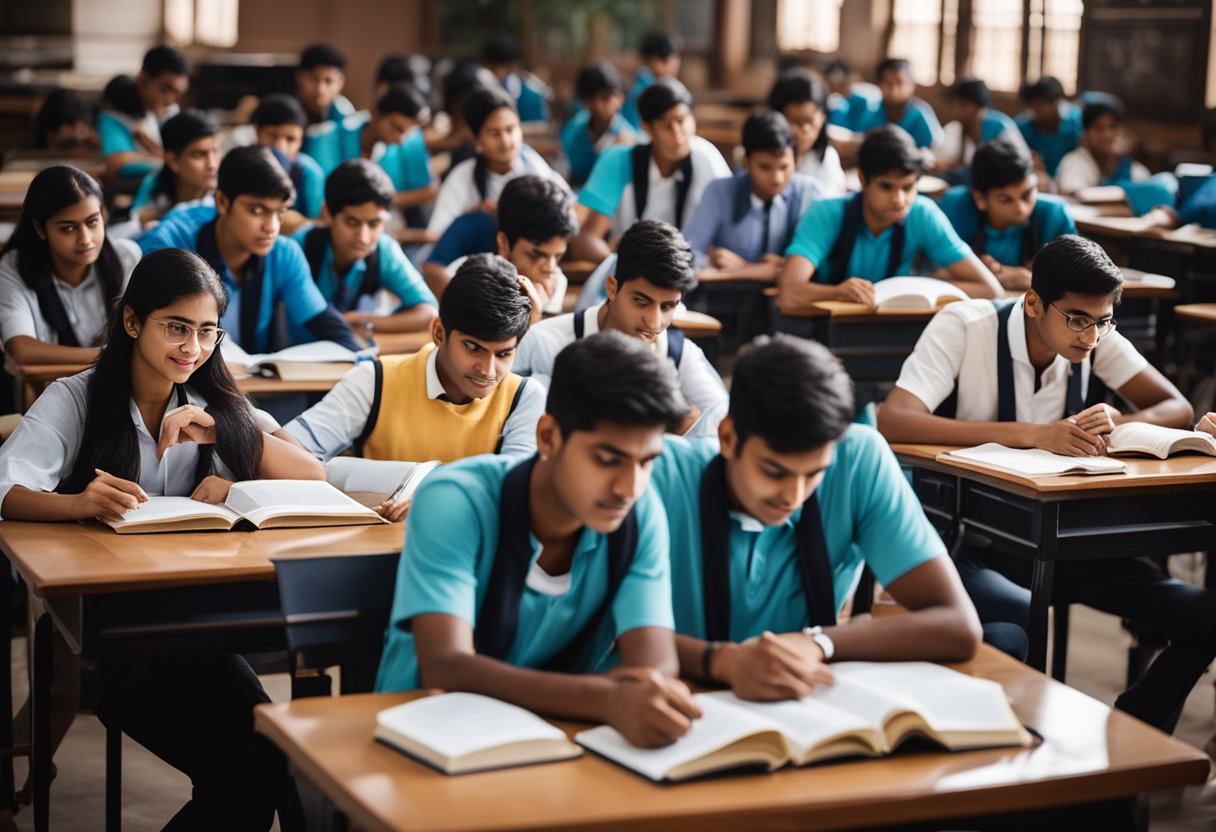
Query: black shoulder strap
pixel 793 215
pixel 314 250
pixel 675 345
pixel 373 415
pixel 55 314
pixel 1006 395
pixel 639 159
pixel 895 254
pixel 979 241
pixel 579 324
pixel 683 183
pixel 480 176
pixel 842 249
pixel 1032 235
pixel 251 285
pixel 519 391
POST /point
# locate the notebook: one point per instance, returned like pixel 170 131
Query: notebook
pixel 371 482
pixel 1034 462
pixel 318 361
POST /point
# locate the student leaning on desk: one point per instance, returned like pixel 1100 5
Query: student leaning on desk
pixel 158 417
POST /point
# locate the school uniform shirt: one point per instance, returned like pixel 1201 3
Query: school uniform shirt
pixel 1200 207
pixel 1051 218
pixel 333 424
pixel 582 152
pixel 1052 147
pixel 642 79
pixel 117 134
pixel 918 119
pixel 531 96
pixel 459 193
pixel 451 543
pixel 926 231
pixel 42 451
pixel 956 146
pixel 144 195
pixel 538 349
pixel 85 304
pixel 338 110
pixel 309 181
pixel 827 171
pixel 729 215
pixel 1078 169
pixel 870 516
pixel 958 348
pixel 844 111
pixel 610 188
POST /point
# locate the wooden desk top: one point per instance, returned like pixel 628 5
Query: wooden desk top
pixel 752 274
pixel 39 376
pixel 1090 752
pixel 696 324
pixel 1180 473
pixel 58 559
pixel 402 343
pixel 1204 313
pixel 1188 236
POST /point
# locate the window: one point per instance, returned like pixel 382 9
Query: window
pixel 205 22
pixel 1058 26
pixel 949 40
pixel 917 37
pixel 809 24
pixel 997 49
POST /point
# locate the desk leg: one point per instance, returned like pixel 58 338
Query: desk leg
pixel 1040 601
pixel 40 696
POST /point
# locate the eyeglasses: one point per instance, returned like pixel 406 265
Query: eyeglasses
pixel 177 333
pixel 1080 323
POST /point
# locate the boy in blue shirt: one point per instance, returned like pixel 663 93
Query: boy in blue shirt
pixel 130 126
pixel 1003 215
pixel 772 522
pixel 500 55
pixel 518 574
pixel 660 53
pixel 843 245
pixel 748 220
pixel 970 103
pixel 900 106
pixel 320 78
pixel 848 99
pixel 352 259
pixel 598 124
pixel 239 236
pixel 191 161
pixel 279 123
pixel 1050 125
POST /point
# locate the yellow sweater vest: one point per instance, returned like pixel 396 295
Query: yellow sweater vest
pixel 414 428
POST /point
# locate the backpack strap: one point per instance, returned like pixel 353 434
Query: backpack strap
pixel 481 176
pixel 675 345
pixel 314 250
pixel 579 322
pixel 373 415
pixel 519 391
pixel 683 184
pixel 1006 401
pixel 250 287
pixel 55 313
pixel 639 160
pixel 842 249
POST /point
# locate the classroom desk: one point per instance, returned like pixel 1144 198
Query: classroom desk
pixel 697 325
pixel 10 205
pixel 1189 237
pixel 112 594
pixel 1201 313
pixel 1159 507
pixel 1090 753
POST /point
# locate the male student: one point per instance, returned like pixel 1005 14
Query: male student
pixel 352 259
pixel 749 219
pixel 599 124
pixel 848 98
pixel 843 245
pixel 279 123
pixel 239 236
pixel 660 180
pixel 500 55
pixel 320 77
pixel 501 156
pixel 1101 158
pixel 192 160
pixel 130 127
pixel 899 105
pixel 525 579
pixel 534 224
pixel 654 270
pixel 772 522
pixel 974 123
pixel 1002 213
pixel 660 53
pixel 1050 125
pixel 803 100
pixel 1021 374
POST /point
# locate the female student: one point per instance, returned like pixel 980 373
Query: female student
pixel 192 159
pixel 156 417
pixel 60 273
pixel 803 100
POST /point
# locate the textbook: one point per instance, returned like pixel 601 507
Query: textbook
pixel 371 482
pixel 318 361
pixel 872 709
pixel 915 294
pixel 258 504
pixel 1154 440
pixel 1034 462
pixel 458 733
pixel 1146 278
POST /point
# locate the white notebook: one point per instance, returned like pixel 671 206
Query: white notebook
pixel 1154 440
pixel 1033 462
pixel 371 482
pixel 317 361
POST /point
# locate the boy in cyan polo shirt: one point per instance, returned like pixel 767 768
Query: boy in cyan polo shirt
pixel 1050 125
pixel 519 574
pixel 843 245
pixel 660 52
pixel 129 128
pixel 1026 374
pixel 899 105
pixel 599 124
pixel 320 78
pixel 1003 215
pixel 239 236
pixel 352 259
pixel 500 54
pixel 660 180
pixel 772 522
pixel 279 123
pixel 974 123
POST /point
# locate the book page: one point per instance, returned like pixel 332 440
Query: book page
pixel 914 292
pixel 379 476
pixel 317 351
pixel 159 509
pixel 1131 275
pixel 1033 462
pixel 1141 437
pixel 458 724
pixel 948 700
pixel 289 495
pixel 809 721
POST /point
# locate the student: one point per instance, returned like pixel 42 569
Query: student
pixel 459 141
pixel 161 415
pixel 1100 159
pixel 192 160
pixel 974 124
pixel 352 259
pixel 400 69
pixel 661 180
pixel 803 100
pixel 500 55
pixel 454 398
pixel 772 522
pixel 279 123
pixel 1003 214
pixel 1022 374
pixel 239 237
pixel 749 219
pixel 63 123
pixel 60 274
pixel 660 52
pixel 130 126
pixel 654 271
pixel 848 99
pixel 1050 125
pixel 501 156
pixel 843 246
pixel 598 124
pixel 900 106
pixel 320 77
pixel 527 579
pixel 534 224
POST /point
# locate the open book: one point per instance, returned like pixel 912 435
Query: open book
pixel 261 504
pixel 1140 278
pixel 872 709
pixel 914 294
pixel 318 361
pixel 1154 440
pixel 458 733
pixel 1033 462
pixel 371 482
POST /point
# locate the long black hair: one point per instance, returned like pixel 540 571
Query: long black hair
pixel 51 191
pixel 109 441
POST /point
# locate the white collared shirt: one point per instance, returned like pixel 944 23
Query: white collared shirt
pixel 707 165
pixel 459 194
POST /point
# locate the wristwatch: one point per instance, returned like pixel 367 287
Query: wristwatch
pixel 817 635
